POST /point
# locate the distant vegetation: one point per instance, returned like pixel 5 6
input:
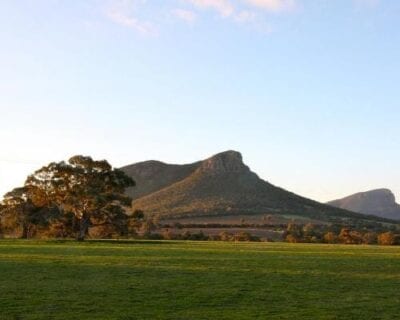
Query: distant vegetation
pixel 292 233
pixel 338 234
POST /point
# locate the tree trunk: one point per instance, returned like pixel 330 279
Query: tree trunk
pixel 83 228
pixel 24 231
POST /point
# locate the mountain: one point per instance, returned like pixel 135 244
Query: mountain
pixel 220 185
pixel 151 176
pixel 380 202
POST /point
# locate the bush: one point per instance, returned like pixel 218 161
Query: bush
pixel 225 236
pixel 386 239
pixel 292 239
pixel 244 236
pixel 330 237
pixel 370 238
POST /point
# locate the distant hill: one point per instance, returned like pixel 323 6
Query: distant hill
pixel 380 202
pixel 220 185
pixel 152 176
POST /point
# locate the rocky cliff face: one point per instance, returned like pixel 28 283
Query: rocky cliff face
pixel 380 202
pixel 229 161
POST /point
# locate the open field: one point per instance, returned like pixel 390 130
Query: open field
pixel 197 280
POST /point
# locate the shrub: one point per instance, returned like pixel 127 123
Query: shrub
pixel 370 238
pixel 292 239
pixel 386 239
pixel 330 237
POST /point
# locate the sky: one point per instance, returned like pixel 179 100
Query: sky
pixel 307 90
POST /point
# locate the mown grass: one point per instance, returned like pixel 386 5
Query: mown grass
pixel 197 280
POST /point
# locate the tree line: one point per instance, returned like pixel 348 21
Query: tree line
pixel 310 233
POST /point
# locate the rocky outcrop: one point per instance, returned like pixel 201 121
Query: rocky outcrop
pixel 379 202
pixel 229 161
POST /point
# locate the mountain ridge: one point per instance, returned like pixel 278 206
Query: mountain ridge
pixel 220 185
pixel 378 202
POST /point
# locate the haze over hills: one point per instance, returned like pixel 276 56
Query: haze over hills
pixel 220 185
pixel 379 202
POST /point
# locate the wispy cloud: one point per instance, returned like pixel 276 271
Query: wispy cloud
pixel 145 28
pixel 273 5
pixel 254 21
pixel 135 14
pixel 185 15
pixel 224 7
pixel 122 12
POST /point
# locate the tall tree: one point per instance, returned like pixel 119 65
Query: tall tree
pixel 20 212
pixel 92 190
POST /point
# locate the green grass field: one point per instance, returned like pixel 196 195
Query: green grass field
pixel 197 280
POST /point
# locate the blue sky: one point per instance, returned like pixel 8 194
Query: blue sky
pixel 307 90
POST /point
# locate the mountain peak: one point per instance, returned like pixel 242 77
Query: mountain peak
pixel 219 185
pixel 383 192
pixel 228 161
pixel 377 196
pixel 379 202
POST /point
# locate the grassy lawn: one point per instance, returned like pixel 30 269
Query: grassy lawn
pixel 197 280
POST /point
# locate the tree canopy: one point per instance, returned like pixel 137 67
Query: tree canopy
pixel 92 191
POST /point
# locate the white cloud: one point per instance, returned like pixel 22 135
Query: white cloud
pixel 254 21
pixel 273 5
pixel 144 28
pixel 224 7
pixel 135 14
pixel 185 15
pixel 122 13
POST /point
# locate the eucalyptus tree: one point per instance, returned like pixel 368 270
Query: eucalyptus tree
pixel 20 213
pixel 91 190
